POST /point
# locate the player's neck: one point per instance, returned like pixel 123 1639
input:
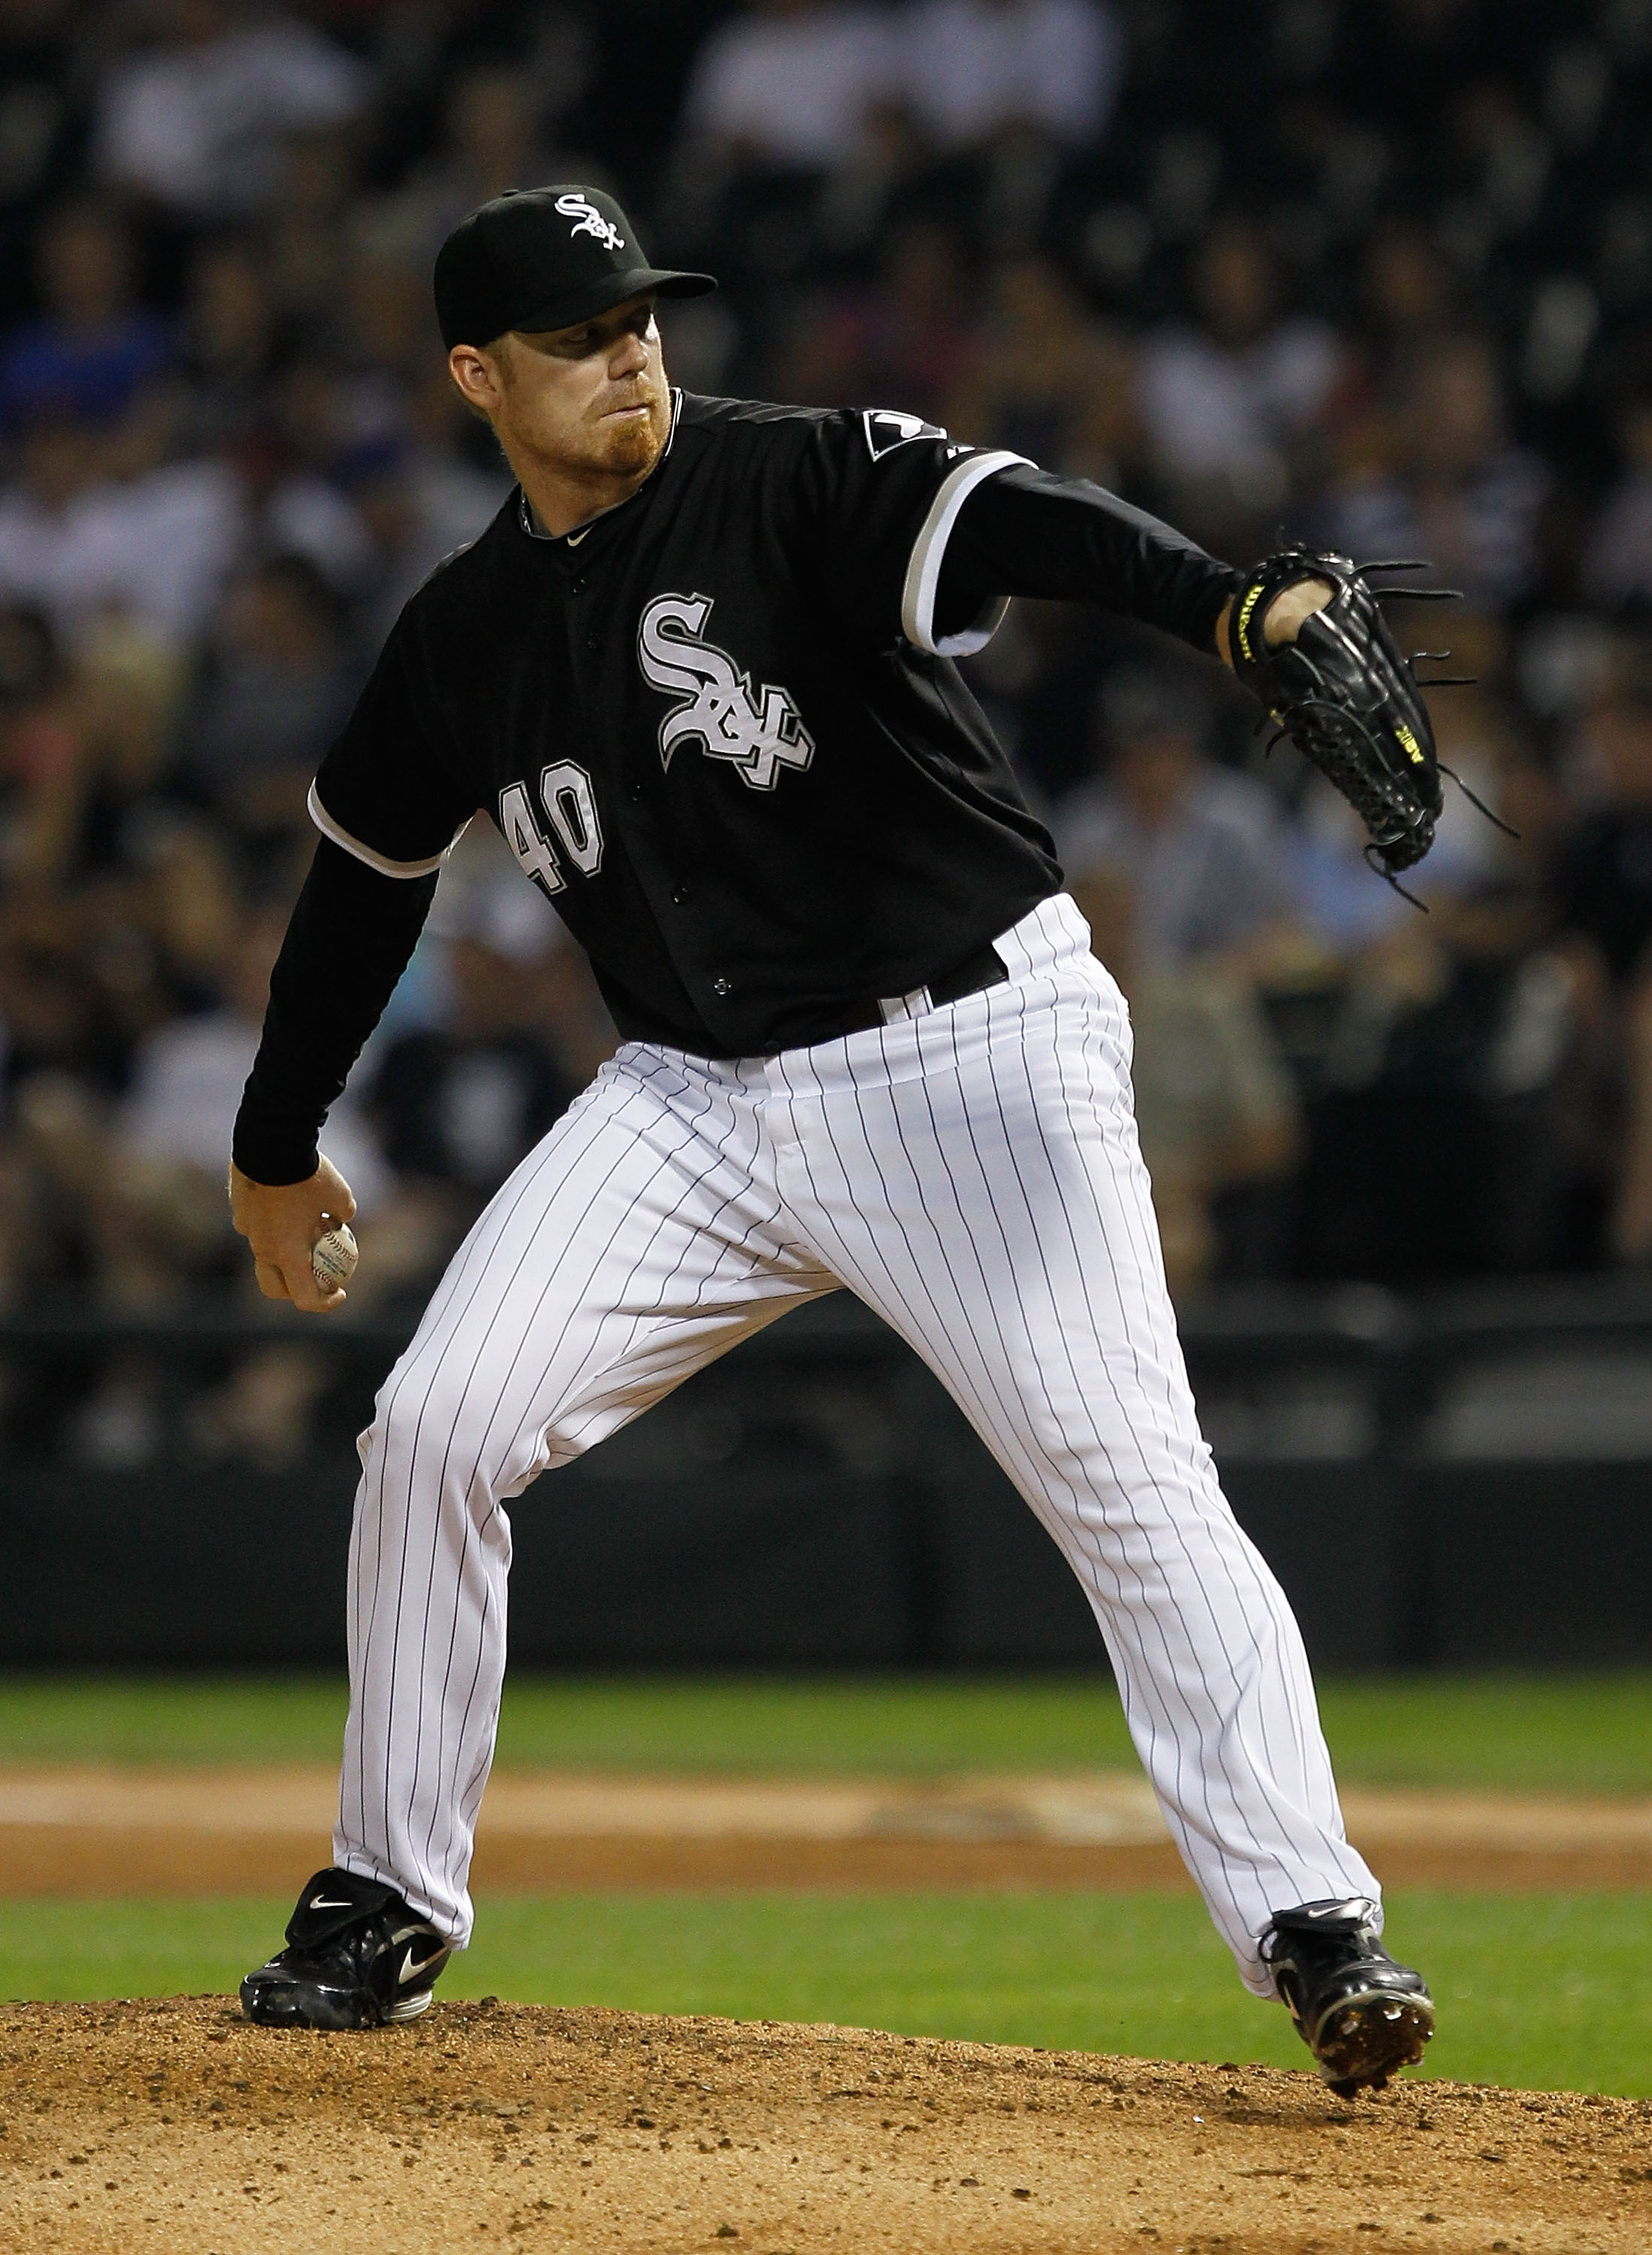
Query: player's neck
pixel 565 491
pixel 560 504
pixel 564 495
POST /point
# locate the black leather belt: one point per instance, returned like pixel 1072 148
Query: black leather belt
pixel 983 969
pixel 977 971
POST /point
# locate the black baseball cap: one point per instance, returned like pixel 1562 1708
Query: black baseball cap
pixel 544 258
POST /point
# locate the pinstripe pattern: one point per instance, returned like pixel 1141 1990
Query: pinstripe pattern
pixel 972 1173
pixel 635 1245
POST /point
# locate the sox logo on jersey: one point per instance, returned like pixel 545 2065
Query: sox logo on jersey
pixel 759 731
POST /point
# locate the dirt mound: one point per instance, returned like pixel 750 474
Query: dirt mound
pixel 151 2128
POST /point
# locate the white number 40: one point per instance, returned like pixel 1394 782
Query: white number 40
pixel 565 791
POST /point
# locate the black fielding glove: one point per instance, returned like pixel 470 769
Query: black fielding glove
pixel 1346 697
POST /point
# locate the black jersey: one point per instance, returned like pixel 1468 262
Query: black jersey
pixel 720 728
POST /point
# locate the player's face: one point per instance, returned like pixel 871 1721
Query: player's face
pixel 588 402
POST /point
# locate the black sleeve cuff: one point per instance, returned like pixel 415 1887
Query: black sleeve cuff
pixel 1027 532
pixel 270 1150
pixel 347 944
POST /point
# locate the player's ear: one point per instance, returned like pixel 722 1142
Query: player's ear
pixel 476 379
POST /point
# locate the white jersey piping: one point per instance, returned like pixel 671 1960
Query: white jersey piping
pixel 382 862
pixel 928 552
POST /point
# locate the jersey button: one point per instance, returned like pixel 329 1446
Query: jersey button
pixel 721 986
pixel 679 894
pixel 594 642
pixel 633 791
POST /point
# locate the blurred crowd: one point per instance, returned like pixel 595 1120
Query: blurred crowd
pixel 1379 279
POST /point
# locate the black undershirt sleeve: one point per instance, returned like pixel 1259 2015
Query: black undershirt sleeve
pixel 351 935
pixel 1028 532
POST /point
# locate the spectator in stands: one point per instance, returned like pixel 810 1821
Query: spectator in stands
pixel 289 469
pixel 153 1195
pixel 1230 396
pixel 1604 882
pixel 1344 904
pixel 902 343
pixel 42 123
pixel 1496 159
pixel 1482 738
pixel 1630 1228
pixel 459 1102
pixel 1456 488
pixel 1404 64
pixel 1604 887
pixel 1214 1105
pixel 86 743
pixel 492 139
pixel 311 227
pixel 86 545
pixel 195 119
pixel 57 1016
pixel 416 504
pixel 971 70
pixel 461 1105
pixel 220 153
pixel 93 349
pixel 275 690
pixel 53 1151
pixel 787 84
pixel 155 1203
pixel 1467 1036
pixel 230 344
pixel 1410 297
pixel 187 1079
pixel 1205 849
pixel 1617 562
pixel 1045 379
pixel 384 341
pixel 41 742
pixel 1409 300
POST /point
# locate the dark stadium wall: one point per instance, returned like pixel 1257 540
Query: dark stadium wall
pixel 1533 1566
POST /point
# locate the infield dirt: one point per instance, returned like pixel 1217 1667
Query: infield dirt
pixel 159 2127
pixel 85 1829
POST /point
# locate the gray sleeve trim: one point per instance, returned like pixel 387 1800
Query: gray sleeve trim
pixel 928 552
pixel 382 862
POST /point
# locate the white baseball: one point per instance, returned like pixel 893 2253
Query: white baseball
pixel 332 1258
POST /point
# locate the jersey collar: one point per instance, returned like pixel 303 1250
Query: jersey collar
pixel 574 540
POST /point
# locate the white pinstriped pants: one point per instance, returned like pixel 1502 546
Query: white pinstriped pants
pixel 974 1175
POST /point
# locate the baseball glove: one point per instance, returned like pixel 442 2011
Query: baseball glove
pixel 1346 698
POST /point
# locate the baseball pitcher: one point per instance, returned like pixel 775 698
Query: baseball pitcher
pixel 699 671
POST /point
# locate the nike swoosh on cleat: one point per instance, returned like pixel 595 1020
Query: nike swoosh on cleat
pixel 410 1966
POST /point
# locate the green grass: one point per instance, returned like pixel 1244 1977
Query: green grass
pixel 1543 1992
pixel 1547 1993
pixel 1583 1734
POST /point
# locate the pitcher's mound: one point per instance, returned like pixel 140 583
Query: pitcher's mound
pixel 152 2128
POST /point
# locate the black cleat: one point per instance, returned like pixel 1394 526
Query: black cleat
pixel 357 1957
pixel 1360 2014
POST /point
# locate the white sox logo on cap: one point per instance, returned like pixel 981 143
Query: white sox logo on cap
pixel 589 220
pixel 759 731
